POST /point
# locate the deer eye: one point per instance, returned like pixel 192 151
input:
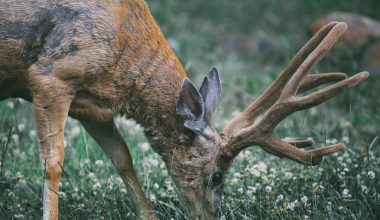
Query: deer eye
pixel 217 178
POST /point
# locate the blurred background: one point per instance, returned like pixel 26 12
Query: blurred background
pixel 250 42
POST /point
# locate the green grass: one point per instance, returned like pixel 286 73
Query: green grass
pixel 259 186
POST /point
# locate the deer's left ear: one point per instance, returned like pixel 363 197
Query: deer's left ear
pixel 190 107
pixel 210 90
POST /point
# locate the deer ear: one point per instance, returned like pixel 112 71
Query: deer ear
pixel 210 91
pixel 190 107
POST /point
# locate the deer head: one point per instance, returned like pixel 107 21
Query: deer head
pixel 199 168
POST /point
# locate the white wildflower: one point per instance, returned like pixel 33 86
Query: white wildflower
pixel 304 199
pixel 75 131
pixel 249 193
pixel 251 189
pixel 240 190
pixel 154 162
pixel 279 198
pixel 235 113
pixel 10 104
pixel 62 194
pixel 144 146
pixel 152 198
pixel 237 175
pixel 288 175
pixel 346 139
pixel 97 185
pixel 254 171
pixel 262 167
pixel 21 126
pixel 364 188
pixel 18 216
pixel 292 205
pixel 15 137
pixel 234 181
pixel 32 133
pixel 99 163
pixel 91 175
pixel 156 186
pixel 345 193
pixel 371 174
pixel 268 189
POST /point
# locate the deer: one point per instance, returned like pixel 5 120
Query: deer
pixel 93 60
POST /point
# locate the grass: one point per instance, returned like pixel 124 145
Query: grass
pixel 259 186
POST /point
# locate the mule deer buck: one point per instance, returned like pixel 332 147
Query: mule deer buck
pixel 92 60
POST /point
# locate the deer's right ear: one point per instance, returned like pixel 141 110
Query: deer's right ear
pixel 190 107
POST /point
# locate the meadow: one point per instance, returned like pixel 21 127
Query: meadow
pixel 260 186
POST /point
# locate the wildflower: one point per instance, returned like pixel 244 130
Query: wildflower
pixel 91 175
pixel 240 190
pixel 237 175
pixel 262 167
pixel 235 113
pixel 96 185
pixel 152 198
pixel 144 146
pixel 292 205
pixel 18 216
pixel 156 186
pixel 288 175
pixel 364 188
pixel 255 171
pixel 10 104
pixel 154 162
pixel 345 193
pixel 62 194
pixel 251 190
pixel 279 198
pixel 75 131
pixel 304 199
pixel 234 181
pixel 249 193
pixel 21 127
pixel 32 133
pixel 15 137
pixel 371 174
pixel 99 163
pixel 19 176
pixel 268 189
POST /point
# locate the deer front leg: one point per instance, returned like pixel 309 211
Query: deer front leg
pixel 51 110
pixel 108 137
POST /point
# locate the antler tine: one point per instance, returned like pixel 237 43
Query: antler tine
pixel 270 95
pixel 320 51
pixel 300 143
pixel 310 158
pixel 286 102
pixel 312 81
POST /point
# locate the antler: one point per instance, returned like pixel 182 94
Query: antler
pixel 282 98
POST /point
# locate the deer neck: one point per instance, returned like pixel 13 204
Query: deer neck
pixel 151 73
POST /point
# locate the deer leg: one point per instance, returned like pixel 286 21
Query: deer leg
pixel 51 107
pixel 108 137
